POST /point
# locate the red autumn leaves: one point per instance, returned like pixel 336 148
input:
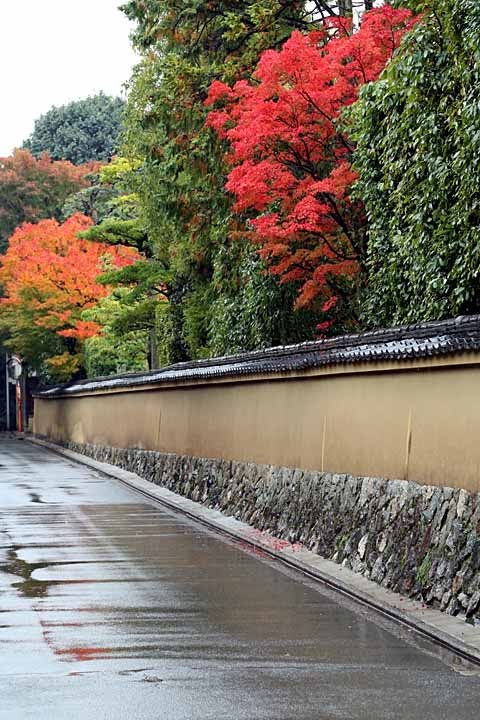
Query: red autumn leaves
pixel 290 155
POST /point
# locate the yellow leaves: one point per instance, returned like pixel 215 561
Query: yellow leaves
pixel 63 366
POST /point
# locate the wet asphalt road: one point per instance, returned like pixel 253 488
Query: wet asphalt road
pixel 112 608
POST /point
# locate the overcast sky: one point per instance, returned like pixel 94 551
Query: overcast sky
pixel 55 51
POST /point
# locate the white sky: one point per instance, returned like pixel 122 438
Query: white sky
pixel 55 51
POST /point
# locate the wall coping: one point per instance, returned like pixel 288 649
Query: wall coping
pixel 396 346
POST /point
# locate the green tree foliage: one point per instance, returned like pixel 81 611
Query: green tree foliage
pixel 112 207
pixel 180 185
pixel 109 204
pixel 112 352
pixel 146 285
pixel 418 136
pixel 142 290
pixel 34 189
pixel 95 201
pixel 249 309
pixel 81 131
pixel 230 32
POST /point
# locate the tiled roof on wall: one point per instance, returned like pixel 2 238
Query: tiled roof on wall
pixel 433 339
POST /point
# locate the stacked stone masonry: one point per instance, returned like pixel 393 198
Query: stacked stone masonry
pixel 417 540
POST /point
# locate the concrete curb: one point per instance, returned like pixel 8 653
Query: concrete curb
pixel 450 632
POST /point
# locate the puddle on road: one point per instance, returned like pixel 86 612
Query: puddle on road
pixel 134 671
pixel 152 679
pixel 146 677
pixel 35 498
pixel 28 586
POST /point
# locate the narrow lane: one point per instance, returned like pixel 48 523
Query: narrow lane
pixel 111 607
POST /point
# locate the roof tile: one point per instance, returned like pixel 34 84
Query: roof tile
pixel 425 340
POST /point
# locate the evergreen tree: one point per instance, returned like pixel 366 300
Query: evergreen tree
pixel 81 131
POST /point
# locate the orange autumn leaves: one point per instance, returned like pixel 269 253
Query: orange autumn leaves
pixel 49 278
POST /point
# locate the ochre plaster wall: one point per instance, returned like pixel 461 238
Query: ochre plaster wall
pixel 417 424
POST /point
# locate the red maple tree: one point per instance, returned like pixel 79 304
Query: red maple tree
pixel 291 157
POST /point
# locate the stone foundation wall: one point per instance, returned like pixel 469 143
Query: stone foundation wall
pixel 418 540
